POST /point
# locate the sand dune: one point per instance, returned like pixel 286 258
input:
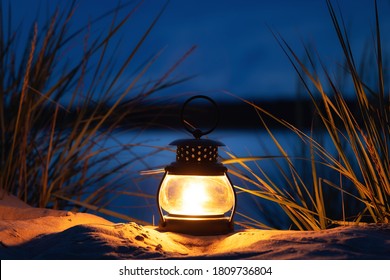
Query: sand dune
pixel 32 233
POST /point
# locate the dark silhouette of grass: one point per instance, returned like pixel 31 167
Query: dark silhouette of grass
pixel 55 115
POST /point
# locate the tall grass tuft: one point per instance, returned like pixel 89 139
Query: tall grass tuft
pixel 356 161
pixel 57 113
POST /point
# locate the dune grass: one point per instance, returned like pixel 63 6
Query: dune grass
pixel 349 180
pixel 57 113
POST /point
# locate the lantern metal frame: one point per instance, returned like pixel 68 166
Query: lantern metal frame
pixel 197 157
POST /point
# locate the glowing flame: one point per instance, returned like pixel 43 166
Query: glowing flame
pixel 194 198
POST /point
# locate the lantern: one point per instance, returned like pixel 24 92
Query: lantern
pixel 196 195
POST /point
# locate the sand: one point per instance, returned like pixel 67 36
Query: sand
pixel 33 233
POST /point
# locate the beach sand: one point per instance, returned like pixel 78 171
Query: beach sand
pixel 33 233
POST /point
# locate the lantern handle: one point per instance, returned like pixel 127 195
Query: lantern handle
pixel 196 132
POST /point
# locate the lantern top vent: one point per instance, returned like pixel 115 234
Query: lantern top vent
pixel 197 150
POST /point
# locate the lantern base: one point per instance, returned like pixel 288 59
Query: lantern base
pixel 215 225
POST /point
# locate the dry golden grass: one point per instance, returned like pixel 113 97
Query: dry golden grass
pixel 56 115
pixel 360 141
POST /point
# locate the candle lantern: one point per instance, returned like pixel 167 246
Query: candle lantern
pixel 196 195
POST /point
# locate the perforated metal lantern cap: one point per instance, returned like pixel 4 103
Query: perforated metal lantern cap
pixel 196 157
pixel 196 150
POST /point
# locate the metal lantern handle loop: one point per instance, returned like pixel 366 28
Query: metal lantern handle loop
pixel 196 132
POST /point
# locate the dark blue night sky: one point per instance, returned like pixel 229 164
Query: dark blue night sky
pixel 236 50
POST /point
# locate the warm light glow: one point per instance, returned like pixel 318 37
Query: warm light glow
pixel 196 195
